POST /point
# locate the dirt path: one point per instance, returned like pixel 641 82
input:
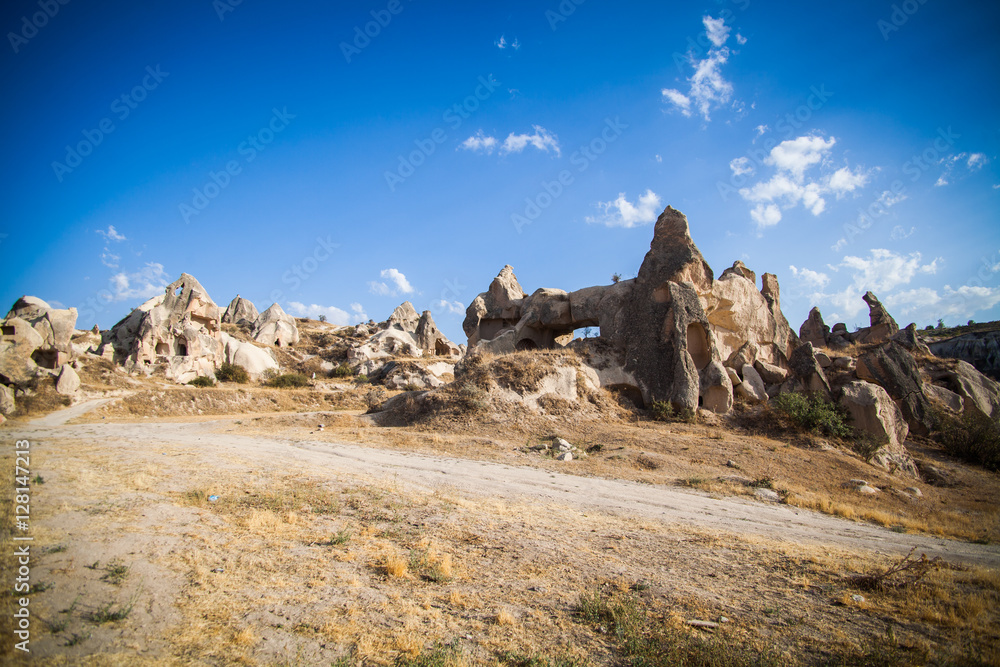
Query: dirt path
pixel 477 478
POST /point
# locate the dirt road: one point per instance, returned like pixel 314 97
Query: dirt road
pixel 478 478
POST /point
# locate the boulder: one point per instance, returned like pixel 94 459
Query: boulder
pixel 240 311
pixel 770 373
pixel 752 387
pixel 716 388
pixel 874 412
pixel 68 382
pixel 882 325
pixel 739 314
pixel 807 370
pixel 275 327
pixel 823 359
pixel 55 326
pixel 405 318
pixel 256 360
pixel 392 342
pixel 909 339
pixel 6 400
pixel 892 366
pixel 978 392
pixel 944 397
pixel 178 331
pixel 814 330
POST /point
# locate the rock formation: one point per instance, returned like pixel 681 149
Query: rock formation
pixel 892 366
pixel 873 412
pixel 34 335
pixel 981 349
pixel 814 330
pixel 240 311
pixel 404 318
pixel 275 327
pixel 178 331
pixel 882 325
pixel 404 334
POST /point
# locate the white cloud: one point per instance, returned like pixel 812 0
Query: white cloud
pixel 333 314
pixel 927 305
pixel 760 130
pixel 623 213
pixel 450 307
pixel 789 186
pixel 708 88
pixel 659 158
pixel 542 139
pixel 766 216
pixel 976 161
pixel 359 312
pixel 844 180
pixel 740 39
pixel 145 283
pixel 109 259
pixel 741 166
pixel 111 234
pixel 810 277
pixel 400 285
pixel 899 233
pixel 884 270
pixel 717 30
pixel 678 99
pixel 502 43
pixel 797 155
pixel 839 245
pixel 480 142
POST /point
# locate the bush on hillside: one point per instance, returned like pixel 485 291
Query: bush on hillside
pixel 202 381
pixel 232 373
pixel 288 381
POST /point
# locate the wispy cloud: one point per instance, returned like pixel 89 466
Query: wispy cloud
pixel 502 43
pixel 480 142
pixel 708 88
pixel 541 139
pixel 810 277
pixel 623 213
pixel 145 283
pixel 400 285
pixel 451 307
pixel 111 234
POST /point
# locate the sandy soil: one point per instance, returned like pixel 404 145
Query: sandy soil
pixel 121 492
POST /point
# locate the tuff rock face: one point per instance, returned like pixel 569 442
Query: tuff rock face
pixel 240 311
pixel 275 327
pixel 34 336
pixel 178 331
pixel 882 326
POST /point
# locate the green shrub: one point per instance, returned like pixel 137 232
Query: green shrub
pixel 974 438
pixel 202 381
pixel 814 413
pixel 362 379
pixel 664 411
pixel 288 381
pixel 232 373
pixel 470 398
pixel 342 371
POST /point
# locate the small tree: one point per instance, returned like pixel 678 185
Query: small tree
pixel 616 278
pixel 940 324
pixel 971 322
pixel 322 318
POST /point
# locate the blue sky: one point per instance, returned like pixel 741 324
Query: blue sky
pixel 278 151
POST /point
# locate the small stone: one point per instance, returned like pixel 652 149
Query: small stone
pixel 565 456
pixel 731 464
pixel 723 619
pixel 914 491
pixel 858 598
pixel 767 495
pixel 562 445
pixel 867 490
pixel 710 625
